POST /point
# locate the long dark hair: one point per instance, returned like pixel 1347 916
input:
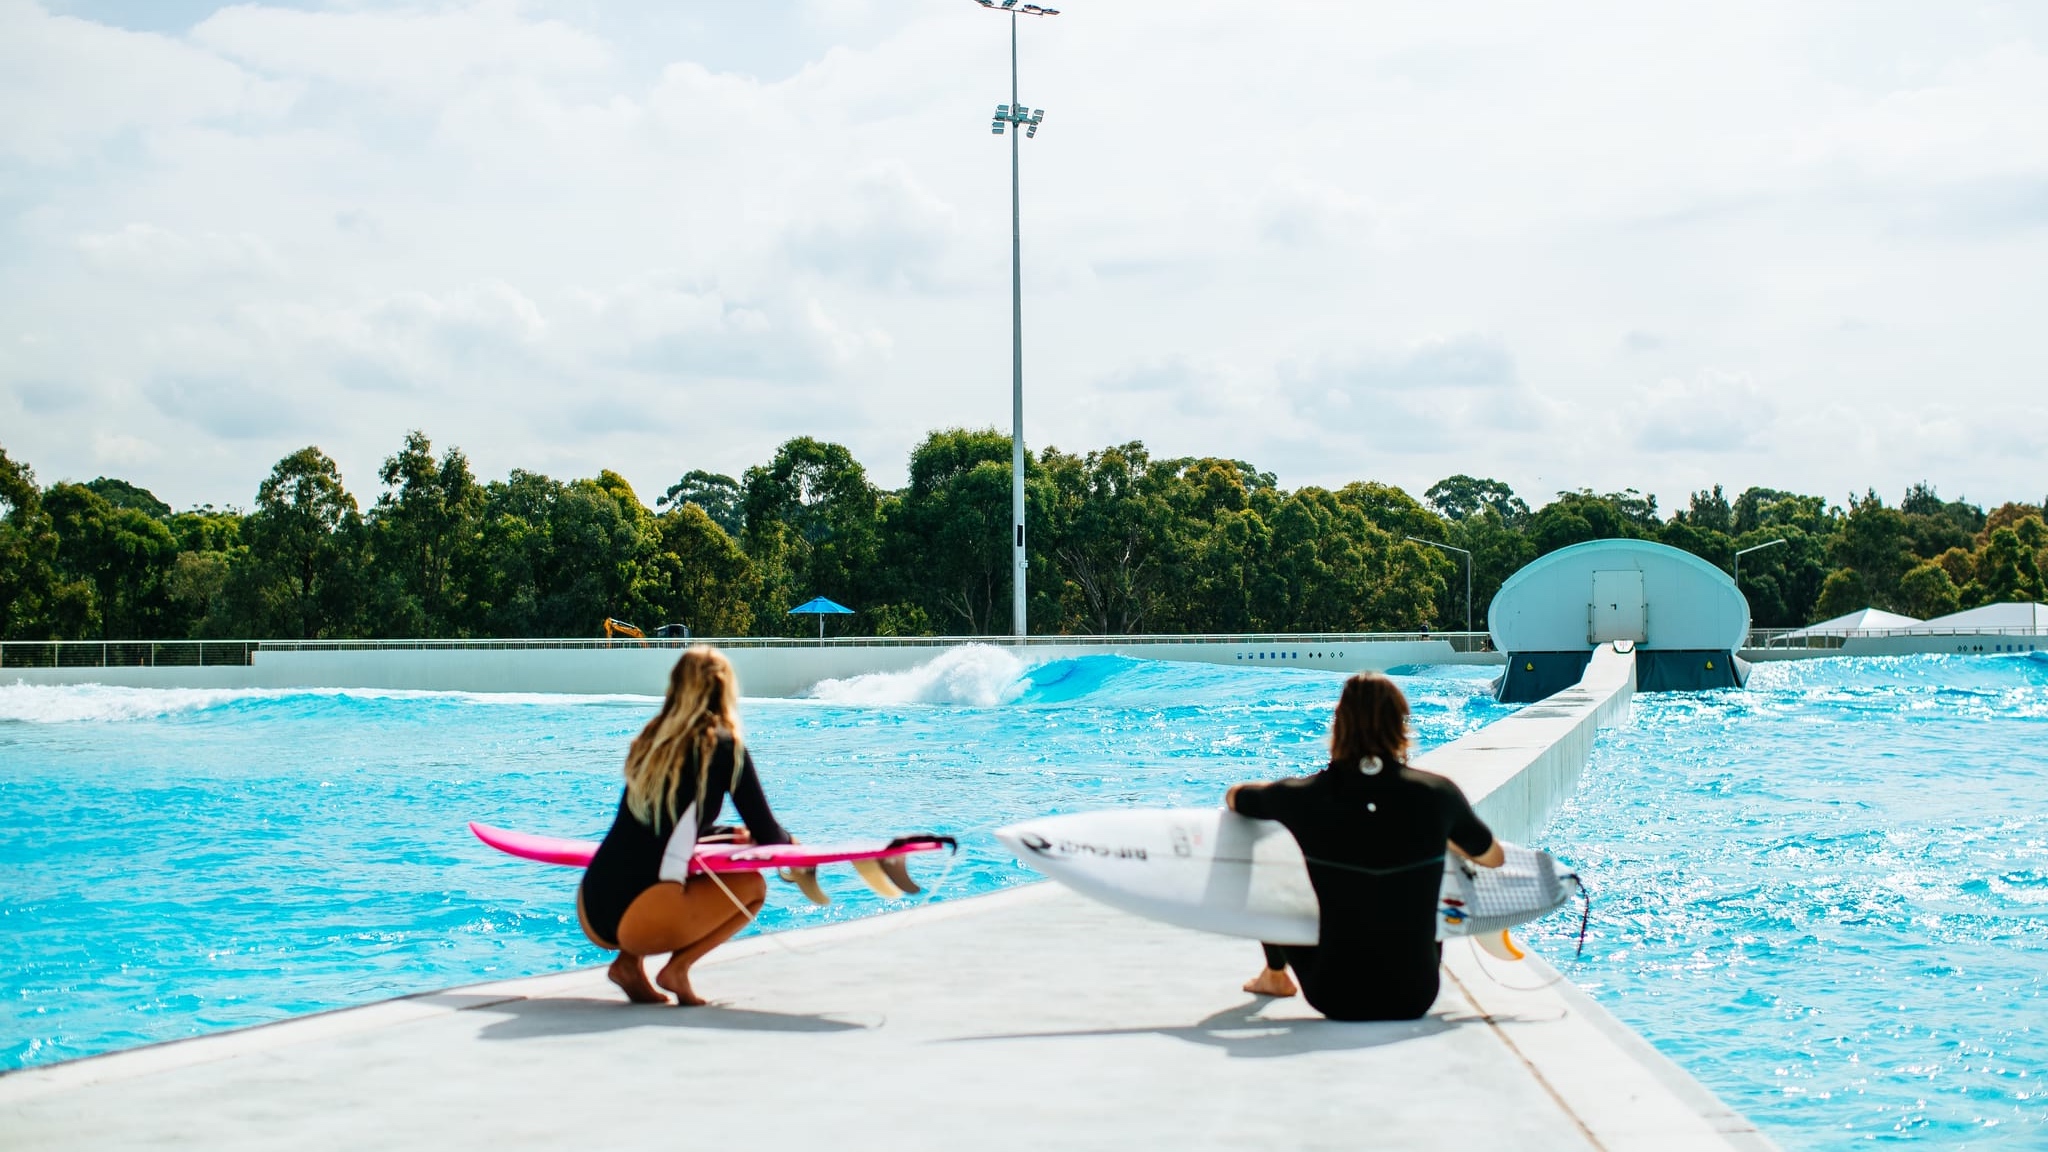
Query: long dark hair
pixel 1371 721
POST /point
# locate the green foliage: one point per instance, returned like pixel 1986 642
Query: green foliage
pixel 2008 568
pixel 1577 517
pixel 1106 525
pixel 720 497
pixel 1927 591
pixel 301 575
pixel 1875 544
pixel 1120 542
pixel 698 576
pixel 813 526
pixel 423 532
pixel 947 537
pixel 119 557
pixel 1462 497
pixel 122 494
pixel 30 598
pixel 1759 508
pixel 1708 512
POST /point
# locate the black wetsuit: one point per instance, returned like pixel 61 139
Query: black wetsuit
pixel 1375 849
pixel 629 861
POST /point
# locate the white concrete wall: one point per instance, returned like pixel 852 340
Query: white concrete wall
pixel 779 670
pixel 1517 770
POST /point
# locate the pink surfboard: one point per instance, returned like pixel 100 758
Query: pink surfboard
pixel 715 857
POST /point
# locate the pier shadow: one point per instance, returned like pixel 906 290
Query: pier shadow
pixel 1241 1033
pixel 526 1019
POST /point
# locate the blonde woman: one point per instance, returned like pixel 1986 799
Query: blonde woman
pixel 637 896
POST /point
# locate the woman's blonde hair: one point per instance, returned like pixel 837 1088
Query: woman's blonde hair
pixel 703 700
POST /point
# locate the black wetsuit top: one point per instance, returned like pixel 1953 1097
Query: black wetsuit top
pixel 1375 849
pixel 629 861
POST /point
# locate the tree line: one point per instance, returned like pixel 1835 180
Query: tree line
pixel 1121 542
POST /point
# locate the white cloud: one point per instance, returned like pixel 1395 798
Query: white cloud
pixel 1593 245
pixel 68 85
pixel 147 251
pixel 407 54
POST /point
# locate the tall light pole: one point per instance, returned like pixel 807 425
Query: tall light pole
pixel 1739 552
pixel 1022 121
pixel 1468 573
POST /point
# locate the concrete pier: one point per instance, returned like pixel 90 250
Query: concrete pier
pixel 1026 1019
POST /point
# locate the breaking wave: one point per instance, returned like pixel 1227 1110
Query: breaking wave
pixel 977 675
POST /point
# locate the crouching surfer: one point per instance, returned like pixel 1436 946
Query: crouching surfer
pixel 637 897
pixel 1374 832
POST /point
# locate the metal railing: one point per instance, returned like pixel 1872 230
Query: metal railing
pixel 1786 638
pixel 126 653
pixel 195 653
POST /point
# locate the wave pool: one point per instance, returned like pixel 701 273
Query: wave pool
pixel 1826 896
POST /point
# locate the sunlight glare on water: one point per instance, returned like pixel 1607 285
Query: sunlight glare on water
pixel 1826 896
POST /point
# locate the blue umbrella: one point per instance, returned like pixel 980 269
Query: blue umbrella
pixel 821 608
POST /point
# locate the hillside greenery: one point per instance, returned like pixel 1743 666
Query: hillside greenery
pixel 1121 543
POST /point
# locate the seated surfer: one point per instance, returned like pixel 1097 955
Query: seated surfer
pixel 636 897
pixel 1374 832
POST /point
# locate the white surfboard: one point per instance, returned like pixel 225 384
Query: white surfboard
pixel 1215 871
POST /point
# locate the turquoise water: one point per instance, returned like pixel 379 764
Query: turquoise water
pixel 1825 896
pixel 177 862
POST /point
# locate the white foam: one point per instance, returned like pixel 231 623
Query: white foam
pixel 978 675
pixel 78 703
pixel 71 704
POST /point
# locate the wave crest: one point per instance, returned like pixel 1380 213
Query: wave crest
pixel 977 675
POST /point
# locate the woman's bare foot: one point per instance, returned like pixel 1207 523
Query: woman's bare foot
pixel 675 976
pixel 627 973
pixel 1271 982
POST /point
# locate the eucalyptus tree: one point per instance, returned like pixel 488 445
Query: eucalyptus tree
pixel 813 528
pixel 121 556
pixel 301 576
pixel 425 532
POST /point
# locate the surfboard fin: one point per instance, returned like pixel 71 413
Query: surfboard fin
pixel 899 874
pixel 871 872
pixel 1500 944
pixel 806 881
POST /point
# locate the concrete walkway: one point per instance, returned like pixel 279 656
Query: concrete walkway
pixel 1031 1018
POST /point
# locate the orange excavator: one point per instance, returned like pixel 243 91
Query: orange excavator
pixel 614 628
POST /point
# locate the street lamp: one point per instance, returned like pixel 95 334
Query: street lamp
pixel 1468 573
pixel 1024 122
pixel 1738 561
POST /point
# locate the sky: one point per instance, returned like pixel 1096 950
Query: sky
pixel 1583 244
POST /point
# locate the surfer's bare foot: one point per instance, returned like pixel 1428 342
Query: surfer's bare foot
pixel 1271 982
pixel 627 973
pixel 675 976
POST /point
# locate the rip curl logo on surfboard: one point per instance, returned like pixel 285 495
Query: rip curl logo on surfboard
pixel 1077 848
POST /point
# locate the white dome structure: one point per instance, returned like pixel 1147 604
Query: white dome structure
pixel 1685 617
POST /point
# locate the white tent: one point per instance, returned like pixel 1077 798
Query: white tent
pixel 1863 620
pixel 2010 618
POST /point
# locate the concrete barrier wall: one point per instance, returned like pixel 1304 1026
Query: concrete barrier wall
pixel 776 671
pixel 1517 770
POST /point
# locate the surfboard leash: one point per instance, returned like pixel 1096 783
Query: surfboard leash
pixel 1585 916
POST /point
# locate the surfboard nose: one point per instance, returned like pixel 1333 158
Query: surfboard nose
pixel 1022 842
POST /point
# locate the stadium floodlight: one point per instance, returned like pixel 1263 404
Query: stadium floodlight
pixel 1027 119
